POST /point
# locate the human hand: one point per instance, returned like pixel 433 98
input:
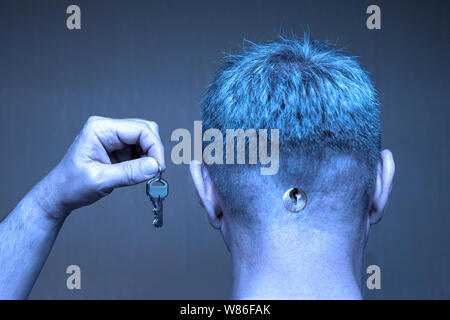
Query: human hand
pixel 108 153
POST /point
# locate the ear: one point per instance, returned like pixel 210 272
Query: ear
pixel 385 175
pixel 207 193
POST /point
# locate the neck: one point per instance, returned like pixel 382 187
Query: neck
pixel 321 266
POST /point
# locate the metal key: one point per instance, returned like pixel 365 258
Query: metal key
pixel 157 189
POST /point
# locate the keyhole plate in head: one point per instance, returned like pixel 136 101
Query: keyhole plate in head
pixel 295 200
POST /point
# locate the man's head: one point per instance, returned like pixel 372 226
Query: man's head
pixel 325 108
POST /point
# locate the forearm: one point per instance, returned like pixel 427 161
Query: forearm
pixel 27 235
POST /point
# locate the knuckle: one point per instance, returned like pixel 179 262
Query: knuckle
pixel 154 126
pixel 93 119
pixel 91 122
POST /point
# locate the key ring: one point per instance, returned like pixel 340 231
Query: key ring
pixel 159 172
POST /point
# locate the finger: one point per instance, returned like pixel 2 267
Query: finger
pixel 115 134
pixel 152 124
pixel 155 128
pixel 130 172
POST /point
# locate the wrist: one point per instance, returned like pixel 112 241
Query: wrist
pixel 34 216
pixel 45 196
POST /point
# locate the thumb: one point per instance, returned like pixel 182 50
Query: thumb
pixel 130 172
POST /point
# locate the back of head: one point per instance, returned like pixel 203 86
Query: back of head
pixel 325 108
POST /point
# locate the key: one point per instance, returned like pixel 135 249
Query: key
pixel 157 189
pixel 157 211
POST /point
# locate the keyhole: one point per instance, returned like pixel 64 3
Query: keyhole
pixel 295 199
pixel 295 194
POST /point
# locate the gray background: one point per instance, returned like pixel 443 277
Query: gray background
pixel 153 59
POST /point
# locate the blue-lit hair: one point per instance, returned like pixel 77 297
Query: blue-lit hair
pixel 308 89
pixel 319 98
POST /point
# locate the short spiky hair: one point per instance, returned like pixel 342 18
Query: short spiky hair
pixel 317 96
pixel 308 89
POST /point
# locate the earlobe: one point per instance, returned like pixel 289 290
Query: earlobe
pixel 385 176
pixel 206 193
